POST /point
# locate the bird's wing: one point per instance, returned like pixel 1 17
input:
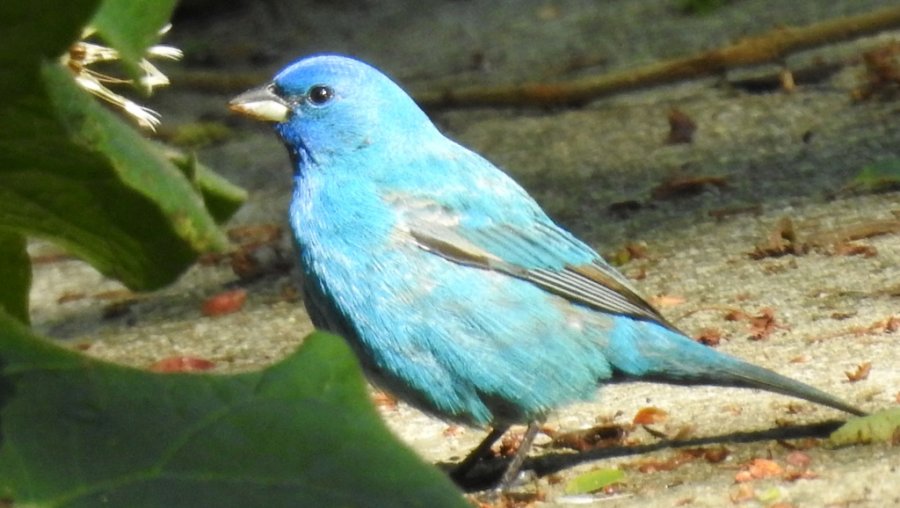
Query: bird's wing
pixel 535 250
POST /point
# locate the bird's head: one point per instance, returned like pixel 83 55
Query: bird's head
pixel 328 107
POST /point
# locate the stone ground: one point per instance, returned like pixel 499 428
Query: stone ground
pixel 774 154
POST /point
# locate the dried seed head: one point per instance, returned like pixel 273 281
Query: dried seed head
pixel 82 55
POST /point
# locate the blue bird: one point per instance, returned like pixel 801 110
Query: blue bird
pixel 453 287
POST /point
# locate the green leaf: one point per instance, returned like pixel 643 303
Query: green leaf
pixel 72 171
pixel 81 177
pixel 79 432
pixel 222 197
pixel 880 427
pixel 15 272
pixel 769 496
pixel 131 27
pixel 593 481
pixel 879 176
pixel 34 30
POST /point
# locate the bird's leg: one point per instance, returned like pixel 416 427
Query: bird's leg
pixel 512 470
pixel 480 451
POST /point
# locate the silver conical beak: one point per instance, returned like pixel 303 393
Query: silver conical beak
pixel 261 104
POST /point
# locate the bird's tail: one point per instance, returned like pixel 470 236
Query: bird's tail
pixel 648 352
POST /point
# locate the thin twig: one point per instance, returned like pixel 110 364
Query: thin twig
pixel 771 46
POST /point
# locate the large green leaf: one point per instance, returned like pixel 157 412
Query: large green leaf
pixel 76 432
pixel 131 26
pixel 74 172
pixel 34 30
pixel 15 272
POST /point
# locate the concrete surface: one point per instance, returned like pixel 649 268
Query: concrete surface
pixel 781 154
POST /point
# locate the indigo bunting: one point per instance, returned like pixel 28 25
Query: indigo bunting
pixel 453 287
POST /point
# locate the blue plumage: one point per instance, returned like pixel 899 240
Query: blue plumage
pixel 453 287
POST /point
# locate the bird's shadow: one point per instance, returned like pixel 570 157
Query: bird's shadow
pixel 487 473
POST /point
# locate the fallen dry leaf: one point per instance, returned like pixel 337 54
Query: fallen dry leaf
pixel 384 399
pixel 681 127
pixel 182 364
pixel 224 303
pixel 709 336
pixel 650 416
pixel 686 186
pixel 762 325
pixel 784 240
pixel 712 455
pixel 743 476
pixel 861 372
pixel 882 72
pixel 630 251
pixel 254 260
pixel 259 250
pixel 598 436
pixel 765 468
pixel 796 408
pixel 715 454
pixel 681 433
pixel 786 79
pixel 759 468
pixel 452 430
pixel 735 315
pixel 794 475
pixel 743 493
pixel 854 249
pixel 637 250
pixel 510 443
pixel 639 274
pixel 780 242
pixel 798 459
pixel 733 409
pixel 668 464
pixel 801 444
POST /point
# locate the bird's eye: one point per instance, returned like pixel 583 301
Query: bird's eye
pixel 320 94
